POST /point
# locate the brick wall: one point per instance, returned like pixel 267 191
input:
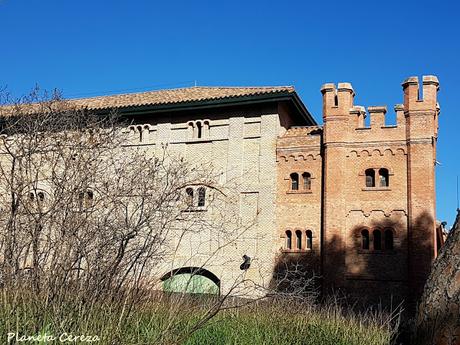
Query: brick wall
pixel 299 151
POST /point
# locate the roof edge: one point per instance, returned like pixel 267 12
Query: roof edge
pixel 219 102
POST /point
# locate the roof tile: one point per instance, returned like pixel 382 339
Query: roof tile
pixel 174 96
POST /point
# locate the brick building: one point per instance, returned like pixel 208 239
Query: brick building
pixel 351 203
pixel 362 199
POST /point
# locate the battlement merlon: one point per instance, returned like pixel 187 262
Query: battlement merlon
pixel 345 95
pixel 377 115
pixel 427 101
pixel 399 111
pixel 359 112
pixel 337 101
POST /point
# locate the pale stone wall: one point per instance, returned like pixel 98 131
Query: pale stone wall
pixel 241 146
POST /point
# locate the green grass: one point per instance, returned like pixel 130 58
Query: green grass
pixel 169 321
pixel 282 328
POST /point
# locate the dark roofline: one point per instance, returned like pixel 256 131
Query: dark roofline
pixel 292 97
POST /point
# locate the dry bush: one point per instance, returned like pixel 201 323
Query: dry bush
pixel 89 221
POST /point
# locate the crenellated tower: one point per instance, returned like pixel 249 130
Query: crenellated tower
pixel 378 222
pixel 337 104
pixel 421 112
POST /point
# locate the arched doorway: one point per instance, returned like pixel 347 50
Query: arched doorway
pixel 191 280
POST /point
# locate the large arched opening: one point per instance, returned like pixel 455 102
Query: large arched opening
pixel 191 280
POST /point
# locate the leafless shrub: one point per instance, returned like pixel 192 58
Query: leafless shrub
pixel 87 217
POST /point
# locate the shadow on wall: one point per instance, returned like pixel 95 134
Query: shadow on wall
pixel 297 273
pixel 394 269
pixel 368 268
pixel 421 257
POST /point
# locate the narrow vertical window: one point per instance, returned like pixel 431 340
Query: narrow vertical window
pixel 85 199
pixel 199 129
pixel 306 181
pixel 309 240
pixel 89 198
pixel 288 239
pixel 388 239
pixel 370 178
pixel 206 129
pixel 41 197
pixel 191 130
pixel 365 239
pixel 298 242
pixel 189 192
pixel 139 129
pixel 294 181
pixel 384 177
pixel 81 200
pixel 201 196
pixel 146 131
pixel 377 238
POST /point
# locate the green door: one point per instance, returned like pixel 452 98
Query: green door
pixel 186 282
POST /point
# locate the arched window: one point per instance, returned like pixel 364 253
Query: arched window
pixel 206 129
pixel 201 196
pixel 85 199
pixel 365 239
pixel 384 177
pixel 189 192
pixel 377 238
pixel 294 181
pixel 288 239
pixel 309 240
pixel 146 131
pixel 306 181
pixel 81 197
pixel 199 129
pixel 388 239
pixel 37 196
pixel 132 130
pixel 298 239
pixel 89 198
pixel 191 130
pixel 40 197
pixel 139 129
pixel 370 178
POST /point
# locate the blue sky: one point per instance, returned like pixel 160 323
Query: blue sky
pixel 88 48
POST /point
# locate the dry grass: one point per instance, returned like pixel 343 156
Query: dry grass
pixel 170 319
